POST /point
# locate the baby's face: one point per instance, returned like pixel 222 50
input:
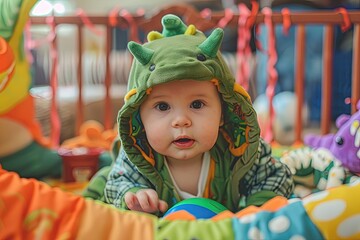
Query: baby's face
pixel 182 118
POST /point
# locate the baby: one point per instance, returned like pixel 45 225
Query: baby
pixel 188 130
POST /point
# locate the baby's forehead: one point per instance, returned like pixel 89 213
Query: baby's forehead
pixel 184 86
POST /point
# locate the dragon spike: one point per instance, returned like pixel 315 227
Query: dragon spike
pixel 172 25
pixel 141 53
pixel 153 35
pixel 212 44
pixel 191 30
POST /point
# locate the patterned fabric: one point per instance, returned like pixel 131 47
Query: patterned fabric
pixel 33 210
pixel 267 174
pixel 290 222
pixel 267 178
pixel 336 211
pixel 344 144
pixel 124 177
pixel 316 169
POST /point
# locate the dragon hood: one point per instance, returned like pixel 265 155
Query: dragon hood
pixel 182 52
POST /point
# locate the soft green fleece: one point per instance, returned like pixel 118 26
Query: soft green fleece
pixel 195 57
pixel 242 161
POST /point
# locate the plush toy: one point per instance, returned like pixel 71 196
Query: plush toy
pixel 92 135
pixel 345 143
pixel 329 160
pixel 23 148
pixel 315 170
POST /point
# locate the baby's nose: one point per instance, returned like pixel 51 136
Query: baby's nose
pixel 181 120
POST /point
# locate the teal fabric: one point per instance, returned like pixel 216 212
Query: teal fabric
pixel 34 161
pixel 105 159
pixel 289 222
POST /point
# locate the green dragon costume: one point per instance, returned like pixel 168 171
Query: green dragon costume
pixel 242 166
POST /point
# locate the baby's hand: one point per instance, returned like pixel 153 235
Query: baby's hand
pixel 145 200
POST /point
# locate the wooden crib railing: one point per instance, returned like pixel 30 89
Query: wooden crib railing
pixel 208 20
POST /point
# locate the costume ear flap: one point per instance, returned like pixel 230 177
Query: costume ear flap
pixel 141 53
pixel 212 44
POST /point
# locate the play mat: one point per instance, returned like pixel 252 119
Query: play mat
pixel 42 212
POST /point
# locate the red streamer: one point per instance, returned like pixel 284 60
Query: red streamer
pixel 88 23
pixel 28 42
pixel 272 73
pixel 113 16
pixel 228 16
pixel 35 43
pixel 54 116
pixel 134 35
pixel 206 13
pixel 243 53
pixel 286 20
pixel 254 11
pixel 346 24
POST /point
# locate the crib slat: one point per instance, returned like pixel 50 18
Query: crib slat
pixel 108 102
pixel 299 80
pixel 80 104
pixel 355 95
pixel 54 116
pixel 327 78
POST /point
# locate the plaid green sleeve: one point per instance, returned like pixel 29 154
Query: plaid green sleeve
pixel 266 179
pixel 123 177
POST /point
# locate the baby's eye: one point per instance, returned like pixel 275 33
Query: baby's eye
pixel 197 104
pixel 162 106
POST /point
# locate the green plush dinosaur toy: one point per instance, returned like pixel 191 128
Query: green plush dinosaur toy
pixel 172 25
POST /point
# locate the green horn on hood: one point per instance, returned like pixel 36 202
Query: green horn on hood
pixel 212 44
pixel 141 53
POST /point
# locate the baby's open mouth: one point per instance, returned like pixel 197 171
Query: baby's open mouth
pixel 184 142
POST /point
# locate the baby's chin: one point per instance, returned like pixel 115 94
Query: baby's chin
pixel 184 156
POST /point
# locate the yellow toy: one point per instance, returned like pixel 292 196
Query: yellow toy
pixel 92 135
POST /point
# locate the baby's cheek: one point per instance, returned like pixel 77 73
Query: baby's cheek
pixel 208 140
pixel 157 139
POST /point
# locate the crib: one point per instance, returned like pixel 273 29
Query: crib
pixel 137 24
pixel 74 216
